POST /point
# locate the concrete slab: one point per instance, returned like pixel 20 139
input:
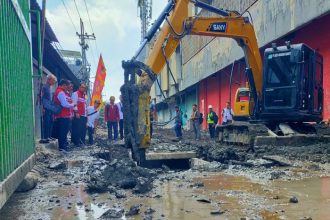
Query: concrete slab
pixel 9 185
pixel 278 159
pixel 295 140
pixel 170 155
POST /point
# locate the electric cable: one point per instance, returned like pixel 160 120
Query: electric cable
pixel 90 23
pixel 77 8
pixel 66 9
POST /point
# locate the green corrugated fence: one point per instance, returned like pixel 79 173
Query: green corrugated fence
pixel 16 101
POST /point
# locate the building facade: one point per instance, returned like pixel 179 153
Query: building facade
pixel 206 63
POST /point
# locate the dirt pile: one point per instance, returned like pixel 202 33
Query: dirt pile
pixel 119 172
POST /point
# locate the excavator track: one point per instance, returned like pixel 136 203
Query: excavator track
pixel 241 133
pixel 258 134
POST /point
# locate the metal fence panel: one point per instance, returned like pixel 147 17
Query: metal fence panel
pixel 16 101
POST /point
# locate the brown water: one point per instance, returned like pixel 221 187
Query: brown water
pixel 237 196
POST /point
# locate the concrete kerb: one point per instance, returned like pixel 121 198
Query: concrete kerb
pixel 9 185
pixel 295 140
pixel 170 155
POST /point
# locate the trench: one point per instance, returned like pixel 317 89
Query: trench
pixel 172 164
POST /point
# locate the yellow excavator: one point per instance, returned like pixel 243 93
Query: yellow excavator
pixel 273 85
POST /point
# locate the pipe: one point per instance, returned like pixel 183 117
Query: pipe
pixel 231 79
pixel 40 58
pixel 211 8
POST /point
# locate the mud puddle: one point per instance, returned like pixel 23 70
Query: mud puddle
pixel 234 197
pixel 233 192
pixel 226 196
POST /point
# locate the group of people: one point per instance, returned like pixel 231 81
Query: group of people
pixel 67 111
pixel 196 119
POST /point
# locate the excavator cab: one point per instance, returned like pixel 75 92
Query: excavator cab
pixel 292 84
pixel 243 104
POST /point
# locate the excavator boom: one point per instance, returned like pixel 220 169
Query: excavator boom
pixel 177 24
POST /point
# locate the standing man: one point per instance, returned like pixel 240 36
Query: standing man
pixel 47 105
pixel 153 113
pixel 80 117
pixel 195 119
pixel 212 120
pixel 178 123
pixel 121 117
pixel 111 117
pixel 63 99
pixel 92 120
pixel 227 114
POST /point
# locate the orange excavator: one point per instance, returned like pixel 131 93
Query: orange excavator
pixel 287 85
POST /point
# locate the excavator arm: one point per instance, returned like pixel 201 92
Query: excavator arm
pixel 177 25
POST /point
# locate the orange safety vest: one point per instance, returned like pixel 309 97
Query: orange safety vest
pixel 65 112
pixel 81 103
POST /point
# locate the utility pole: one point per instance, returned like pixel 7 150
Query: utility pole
pixel 145 14
pixel 85 69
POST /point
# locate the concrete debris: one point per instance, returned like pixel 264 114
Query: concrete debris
pixel 57 165
pixel 281 161
pixel 199 164
pixel 259 162
pixel 293 199
pixel 143 185
pixel 122 173
pixel 217 212
pixel 29 182
pixel 134 210
pixel 276 174
pixel 203 200
pixel 198 184
pixel 112 214
pixel 149 211
pixel 148 217
pixel 196 163
pixel 120 194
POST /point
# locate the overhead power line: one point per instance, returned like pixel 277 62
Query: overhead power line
pixel 66 9
pixel 77 8
pixel 90 23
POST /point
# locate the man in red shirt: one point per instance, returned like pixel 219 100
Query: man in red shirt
pixel 80 118
pixel 63 99
pixel 111 117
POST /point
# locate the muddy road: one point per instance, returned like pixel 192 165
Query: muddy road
pixel 225 182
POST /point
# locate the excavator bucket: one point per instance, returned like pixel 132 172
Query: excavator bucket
pixel 136 107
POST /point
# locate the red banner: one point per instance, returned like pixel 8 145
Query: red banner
pixel 99 81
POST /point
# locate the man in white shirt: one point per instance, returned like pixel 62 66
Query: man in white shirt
pixel 227 114
pixel 92 120
pixel 121 117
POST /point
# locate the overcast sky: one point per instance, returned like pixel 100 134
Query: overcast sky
pixel 117 30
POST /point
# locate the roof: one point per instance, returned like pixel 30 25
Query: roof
pixel 70 53
pixel 49 33
pixel 52 60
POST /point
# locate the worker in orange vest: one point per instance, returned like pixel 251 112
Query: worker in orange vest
pixel 63 99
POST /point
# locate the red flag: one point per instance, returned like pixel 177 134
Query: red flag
pixel 99 81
